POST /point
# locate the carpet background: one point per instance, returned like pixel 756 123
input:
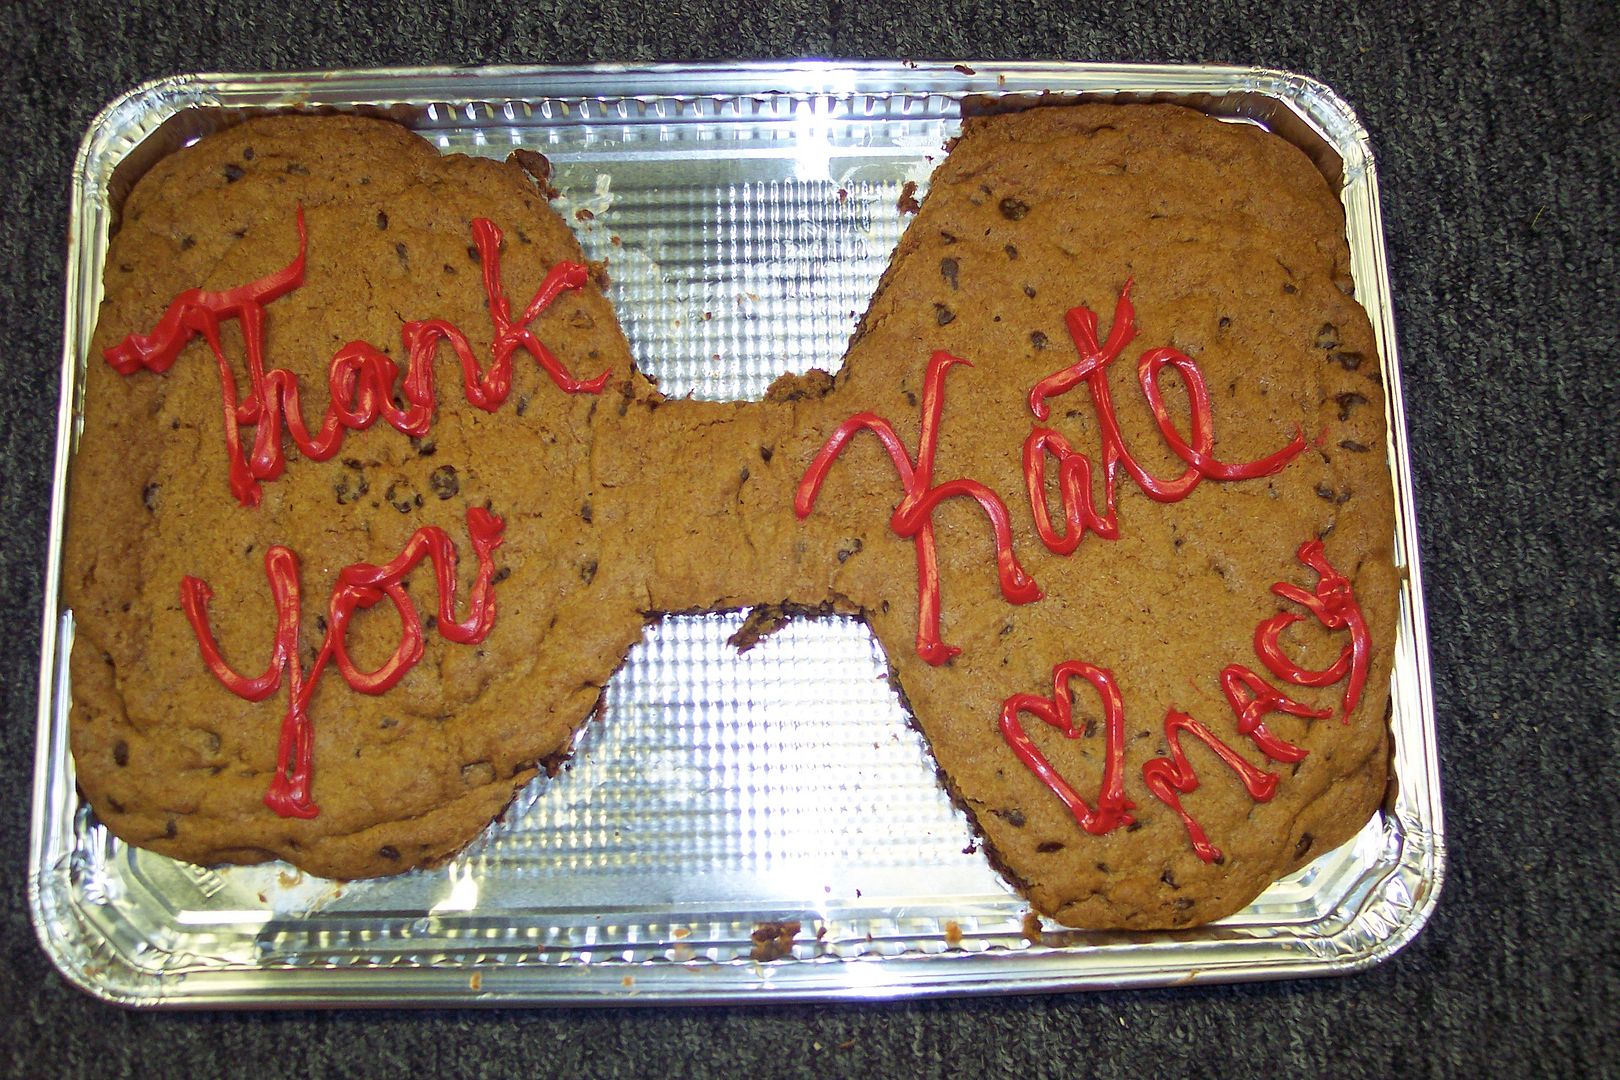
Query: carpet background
pixel 1497 137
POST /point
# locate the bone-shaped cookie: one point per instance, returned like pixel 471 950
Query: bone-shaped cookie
pixel 1144 623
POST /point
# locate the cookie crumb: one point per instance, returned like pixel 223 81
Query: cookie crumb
pixel 773 940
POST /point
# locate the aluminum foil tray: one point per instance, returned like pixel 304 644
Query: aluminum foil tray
pixel 716 792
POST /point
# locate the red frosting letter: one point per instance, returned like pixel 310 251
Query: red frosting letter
pixel 1170 778
pixel 914 517
pixel 1334 605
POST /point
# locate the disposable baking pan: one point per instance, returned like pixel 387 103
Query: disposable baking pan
pixel 747 212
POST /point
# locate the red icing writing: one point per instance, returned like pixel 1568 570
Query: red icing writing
pixel 1335 607
pixel 1165 777
pixel 1074 469
pixel 359 587
pixel 1250 697
pixel 1057 711
pixel 361 378
pixel 914 518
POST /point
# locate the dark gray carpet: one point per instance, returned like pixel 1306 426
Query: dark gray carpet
pixel 1497 135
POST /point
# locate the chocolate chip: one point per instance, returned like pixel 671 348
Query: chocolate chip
pixel 382 219
pixel 1347 401
pixel 523 237
pixel 388 852
pixel 852 546
pixel 187 243
pixel 171 829
pixel 472 253
pixel 1047 847
pixel 1012 252
pixel 1169 879
pixel 765 454
pixel 501 575
pixel 1184 902
pixel 1347 360
pixel 1289 289
pixel 1326 493
pixel 296 169
pixel 1037 339
pixel 398 496
pixel 233 172
pixel 149 495
pixel 1013 817
pixel 240 234
pixel 1304 845
pixel 1327 337
pixel 403 253
pixel 430 622
pixel 425 447
pixel 742 477
pixel 444 482
pixel 347 495
pixel 948 269
pixel 1224 322
pixel 1014 209
pixel 949 238
pixel 943 315
pixel 449 269
pixel 320 624
pixel 247 153
pixel 120 753
pixel 1102 867
pixel 1352 446
pixel 587 573
pixel 1029 291
pixel 523 404
pixel 885 606
pixel 388 721
pixel 911 398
